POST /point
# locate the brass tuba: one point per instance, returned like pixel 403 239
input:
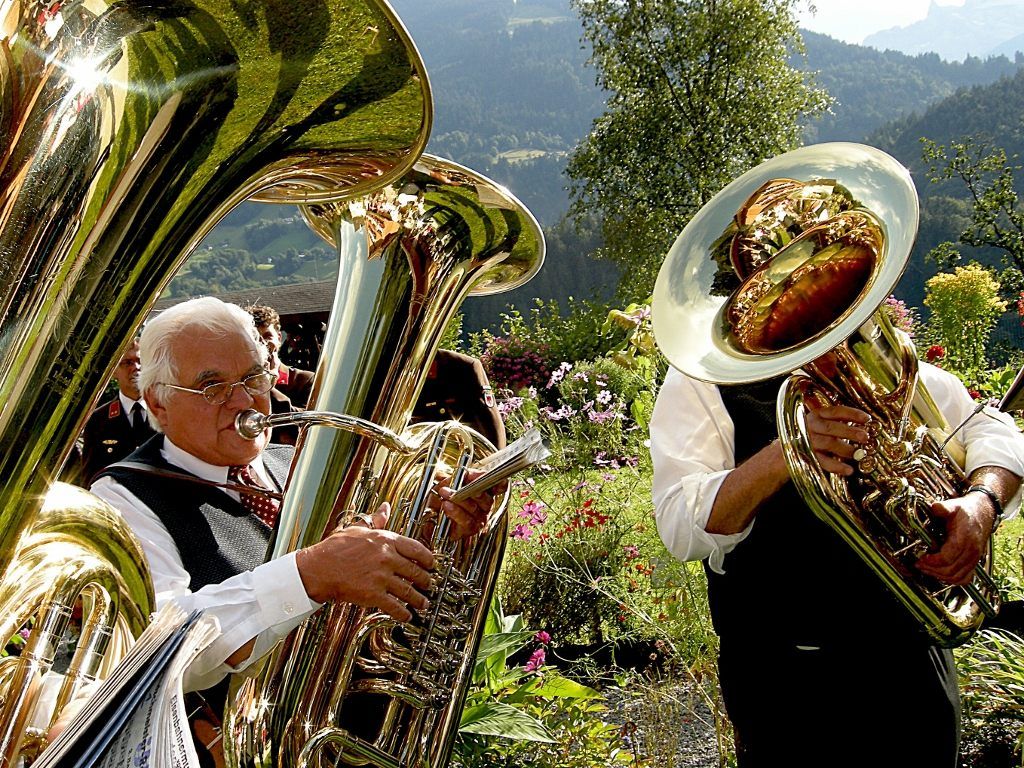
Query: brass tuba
pixel 352 686
pixel 127 131
pixel 786 269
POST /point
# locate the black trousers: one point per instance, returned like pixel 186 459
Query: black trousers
pixel 858 706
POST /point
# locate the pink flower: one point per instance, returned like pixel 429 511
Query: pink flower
pixel 534 510
pixel 542 637
pixel 632 551
pixel 522 532
pixel 536 661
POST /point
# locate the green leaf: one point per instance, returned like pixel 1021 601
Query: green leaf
pixel 497 719
pixel 502 642
pixel 556 686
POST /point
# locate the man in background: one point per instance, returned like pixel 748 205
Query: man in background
pixel 118 426
pixel 293 383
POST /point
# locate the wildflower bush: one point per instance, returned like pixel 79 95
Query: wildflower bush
pixel 528 347
pixel 585 561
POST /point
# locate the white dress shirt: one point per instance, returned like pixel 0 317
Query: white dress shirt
pixel 266 602
pixel 127 404
pixel 693 448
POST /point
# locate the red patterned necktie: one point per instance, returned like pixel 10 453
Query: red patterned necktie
pixel 260 504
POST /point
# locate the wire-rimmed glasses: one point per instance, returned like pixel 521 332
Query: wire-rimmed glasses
pixel 221 392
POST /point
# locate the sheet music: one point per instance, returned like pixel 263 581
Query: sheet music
pixel 137 717
pixel 501 465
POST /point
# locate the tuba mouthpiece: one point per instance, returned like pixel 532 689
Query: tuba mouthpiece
pixel 250 424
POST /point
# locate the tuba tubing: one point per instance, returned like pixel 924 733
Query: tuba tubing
pixel 128 129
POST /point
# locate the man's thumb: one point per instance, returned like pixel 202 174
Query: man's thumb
pixel 380 517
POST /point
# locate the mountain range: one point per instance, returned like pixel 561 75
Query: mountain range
pixel 980 28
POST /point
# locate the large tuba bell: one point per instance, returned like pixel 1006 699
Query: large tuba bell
pixel 351 686
pixel 127 131
pixel 786 269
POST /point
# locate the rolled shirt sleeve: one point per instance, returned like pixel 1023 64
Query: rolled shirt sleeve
pixel 989 437
pixel 265 603
pixel 692 449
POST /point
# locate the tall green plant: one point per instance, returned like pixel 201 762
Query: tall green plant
pixel 530 715
pixel 965 307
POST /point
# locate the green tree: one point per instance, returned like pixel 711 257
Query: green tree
pixel 965 307
pixel 698 92
pixel 996 216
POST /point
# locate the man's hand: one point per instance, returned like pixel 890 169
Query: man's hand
pixel 369 567
pixel 469 515
pixel 969 522
pixel 835 433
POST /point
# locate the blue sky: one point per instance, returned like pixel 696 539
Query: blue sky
pixel 853 20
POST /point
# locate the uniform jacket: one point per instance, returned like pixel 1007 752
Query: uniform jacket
pixel 457 388
pixel 108 437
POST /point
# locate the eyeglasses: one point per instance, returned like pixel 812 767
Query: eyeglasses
pixel 218 394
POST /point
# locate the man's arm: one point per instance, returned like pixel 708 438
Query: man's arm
pixel 970 522
pixel 834 433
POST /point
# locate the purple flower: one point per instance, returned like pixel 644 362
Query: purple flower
pixel 536 661
pixel 522 532
pixel 559 374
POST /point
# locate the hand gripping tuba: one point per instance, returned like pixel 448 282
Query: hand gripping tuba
pixel 351 686
pixel 127 130
pixel 785 269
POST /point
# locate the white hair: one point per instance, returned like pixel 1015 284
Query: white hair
pixel 207 314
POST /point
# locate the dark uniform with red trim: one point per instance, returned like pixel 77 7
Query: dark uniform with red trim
pixel 109 437
pixel 457 388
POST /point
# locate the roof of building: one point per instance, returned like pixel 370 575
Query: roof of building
pixel 292 299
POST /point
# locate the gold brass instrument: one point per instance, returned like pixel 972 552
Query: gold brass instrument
pixel 351 686
pixel 786 269
pixel 127 130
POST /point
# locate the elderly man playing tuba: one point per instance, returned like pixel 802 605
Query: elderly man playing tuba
pixel 819 663
pixel 203 363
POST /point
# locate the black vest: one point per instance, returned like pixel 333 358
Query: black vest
pixel 216 536
pixel 793 580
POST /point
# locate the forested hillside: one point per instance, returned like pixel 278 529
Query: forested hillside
pixel 995 115
pixel 873 87
pixel 513 96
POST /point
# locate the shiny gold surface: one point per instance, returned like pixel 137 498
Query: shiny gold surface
pixel 127 131
pixel 783 271
pixel 688 302
pixel 350 686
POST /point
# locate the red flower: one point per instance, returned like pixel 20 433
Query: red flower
pixel 935 352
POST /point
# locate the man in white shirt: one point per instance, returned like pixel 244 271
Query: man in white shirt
pixel 819 665
pixel 203 363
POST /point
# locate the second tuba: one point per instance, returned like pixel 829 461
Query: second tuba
pixel 351 686
pixel 785 271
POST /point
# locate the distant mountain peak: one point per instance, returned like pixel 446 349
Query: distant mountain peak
pixel 977 28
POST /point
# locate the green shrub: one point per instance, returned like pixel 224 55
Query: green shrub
pixel 529 715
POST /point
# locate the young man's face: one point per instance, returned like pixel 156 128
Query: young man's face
pixel 204 429
pixel 272 338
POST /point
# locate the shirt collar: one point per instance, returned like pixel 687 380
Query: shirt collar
pixel 127 403
pixel 179 457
